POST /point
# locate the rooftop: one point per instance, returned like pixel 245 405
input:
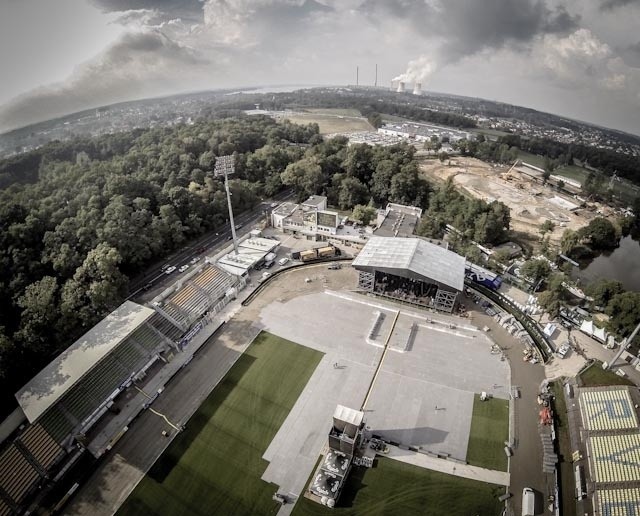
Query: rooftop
pixel 50 384
pixel 315 200
pixel 416 255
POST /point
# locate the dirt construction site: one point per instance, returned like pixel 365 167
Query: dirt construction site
pixel 531 203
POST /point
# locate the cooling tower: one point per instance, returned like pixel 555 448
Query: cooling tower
pixel 417 88
pixel 400 87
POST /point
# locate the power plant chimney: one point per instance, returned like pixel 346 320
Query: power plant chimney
pixel 400 87
pixel 417 88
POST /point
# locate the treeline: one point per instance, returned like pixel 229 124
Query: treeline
pixel 358 174
pixel 608 161
pixel 85 215
pixel 99 210
pixel 473 219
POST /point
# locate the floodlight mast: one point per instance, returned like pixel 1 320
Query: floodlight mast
pixel 623 346
pixel 225 165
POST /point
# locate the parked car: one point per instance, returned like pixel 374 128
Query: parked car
pixel 283 261
pixel 334 267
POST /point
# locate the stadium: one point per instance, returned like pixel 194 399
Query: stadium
pixel 86 398
pixel 393 362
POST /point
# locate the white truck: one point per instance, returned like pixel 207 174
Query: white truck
pixel 528 502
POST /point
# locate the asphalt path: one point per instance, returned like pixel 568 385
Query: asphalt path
pixel 155 276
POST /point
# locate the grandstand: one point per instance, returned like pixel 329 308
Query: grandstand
pixel 198 293
pixel 71 395
pixel 411 270
pixel 610 423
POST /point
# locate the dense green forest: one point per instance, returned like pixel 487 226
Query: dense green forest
pixel 79 218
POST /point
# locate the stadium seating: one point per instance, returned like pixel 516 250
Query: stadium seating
pixel 17 476
pixel 198 295
pixel 92 390
pixel 41 446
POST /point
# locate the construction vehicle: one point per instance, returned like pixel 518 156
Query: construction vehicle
pixel 318 253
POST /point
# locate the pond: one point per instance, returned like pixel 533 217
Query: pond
pixel 622 264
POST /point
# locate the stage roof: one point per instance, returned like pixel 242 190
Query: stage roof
pixel 415 255
pixel 50 384
pixel 348 415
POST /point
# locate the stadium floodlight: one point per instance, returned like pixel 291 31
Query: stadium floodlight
pixel 225 165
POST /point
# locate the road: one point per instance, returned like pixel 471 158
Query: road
pixel 525 465
pixel 155 276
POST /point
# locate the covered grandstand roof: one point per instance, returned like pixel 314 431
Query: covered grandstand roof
pixel 50 384
pixel 415 255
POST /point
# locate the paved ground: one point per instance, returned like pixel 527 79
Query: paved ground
pixel 333 328
pixel 443 367
pixel 447 466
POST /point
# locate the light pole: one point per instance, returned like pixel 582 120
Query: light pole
pixel 225 165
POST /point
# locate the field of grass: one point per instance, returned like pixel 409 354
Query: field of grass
pixel 567 476
pixel 569 171
pixel 595 376
pixel 215 465
pixel 331 123
pixel 334 111
pixel 489 431
pixel 393 488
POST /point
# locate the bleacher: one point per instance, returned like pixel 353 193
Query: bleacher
pixel 168 329
pixel 17 477
pixel 198 295
pixel 41 446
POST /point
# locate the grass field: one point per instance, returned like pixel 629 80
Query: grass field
pixel 595 376
pixel 569 171
pixel 332 123
pixel 334 111
pixel 393 488
pixel 215 465
pixel 489 431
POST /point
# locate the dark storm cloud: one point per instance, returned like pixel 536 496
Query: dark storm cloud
pixel 609 5
pixel 468 27
pixel 137 65
pixel 631 55
pixel 187 9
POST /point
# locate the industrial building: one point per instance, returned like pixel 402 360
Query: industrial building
pixel 423 132
pixel 610 479
pixel 412 270
pixel 313 221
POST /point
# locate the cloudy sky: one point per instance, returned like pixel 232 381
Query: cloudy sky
pixel 579 58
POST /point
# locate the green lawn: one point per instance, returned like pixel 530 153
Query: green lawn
pixel 595 376
pixel 215 465
pixel 394 488
pixel 489 431
pixel 569 171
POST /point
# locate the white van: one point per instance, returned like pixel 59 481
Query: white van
pixel 528 502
